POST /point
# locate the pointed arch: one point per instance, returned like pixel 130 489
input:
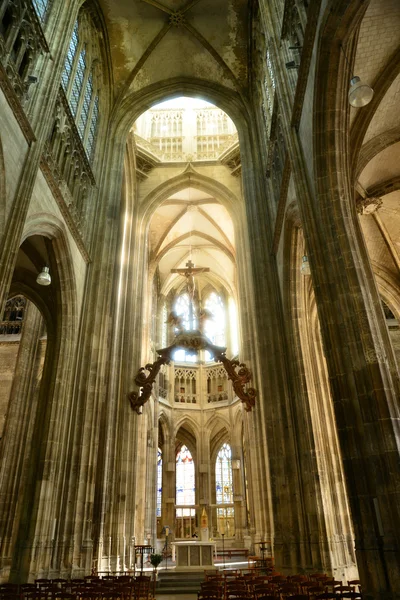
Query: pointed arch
pixel 190 177
pixel 199 234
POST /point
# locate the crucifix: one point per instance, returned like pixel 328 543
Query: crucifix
pixel 189 273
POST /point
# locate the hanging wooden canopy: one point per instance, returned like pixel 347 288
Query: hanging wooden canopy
pixel 192 341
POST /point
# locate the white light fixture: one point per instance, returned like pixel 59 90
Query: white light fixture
pixel 360 93
pixel 305 266
pixel 44 277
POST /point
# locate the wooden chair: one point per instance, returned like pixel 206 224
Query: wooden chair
pixel 343 588
pixel 355 583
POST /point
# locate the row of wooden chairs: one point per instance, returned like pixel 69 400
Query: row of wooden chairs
pixel 89 588
pixel 232 585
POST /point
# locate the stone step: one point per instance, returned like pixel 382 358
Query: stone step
pixel 173 582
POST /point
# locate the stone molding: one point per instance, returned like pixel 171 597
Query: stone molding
pixel 16 106
pixel 47 171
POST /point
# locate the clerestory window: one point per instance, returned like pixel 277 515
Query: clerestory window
pixel 184 309
pixel 42 8
pixel 79 81
pixel 215 326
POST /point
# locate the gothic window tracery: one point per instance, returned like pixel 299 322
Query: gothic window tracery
pixel 215 327
pixel 166 132
pixel 159 482
pixel 13 316
pixel 42 9
pixel 185 493
pixel 164 317
pixel 224 491
pixel 70 58
pixel 183 309
pixel 80 81
pixel 21 42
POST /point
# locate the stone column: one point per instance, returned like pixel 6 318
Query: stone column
pixel 239 499
pixel 16 442
pixel 169 488
pixel 363 375
pixel 150 524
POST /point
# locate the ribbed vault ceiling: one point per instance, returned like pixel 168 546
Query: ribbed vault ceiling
pixel 378 63
pixel 193 224
pixel 155 40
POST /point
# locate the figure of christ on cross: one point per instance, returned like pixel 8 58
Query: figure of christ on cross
pixel 189 273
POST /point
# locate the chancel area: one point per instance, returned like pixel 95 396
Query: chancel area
pixel 200 291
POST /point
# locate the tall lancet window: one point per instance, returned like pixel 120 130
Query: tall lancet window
pixel 185 494
pixel 42 9
pixel 81 78
pixel 184 309
pixel 159 482
pixel 215 327
pixel 224 491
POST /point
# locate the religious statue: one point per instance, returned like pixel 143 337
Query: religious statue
pixel 175 321
pixel 189 273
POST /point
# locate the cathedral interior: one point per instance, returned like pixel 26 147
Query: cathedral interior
pixel 218 170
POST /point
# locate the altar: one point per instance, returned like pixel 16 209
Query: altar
pixel 193 555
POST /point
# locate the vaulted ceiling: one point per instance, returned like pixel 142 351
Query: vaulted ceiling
pixel 155 40
pixel 193 225
pixel 375 135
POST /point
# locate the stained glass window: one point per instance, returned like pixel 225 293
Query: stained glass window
pixel 223 475
pixel 83 119
pixel 233 324
pixel 91 141
pixel 159 482
pixel 224 491
pixel 215 327
pixel 41 7
pixel 183 309
pixel 78 82
pixel 164 317
pixel 69 61
pixel 185 494
pixel 185 488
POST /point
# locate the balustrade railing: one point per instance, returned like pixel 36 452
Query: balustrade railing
pixel 21 42
pixel 66 158
pixel 13 316
pixel 195 384
pixel 65 163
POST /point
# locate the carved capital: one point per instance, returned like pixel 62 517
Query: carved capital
pixel 369 205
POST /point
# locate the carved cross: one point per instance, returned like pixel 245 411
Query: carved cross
pixel 189 273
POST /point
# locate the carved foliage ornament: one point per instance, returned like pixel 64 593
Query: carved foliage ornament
pixel 368 205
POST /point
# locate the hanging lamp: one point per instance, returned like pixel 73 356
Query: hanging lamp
pixel 360 93
pixel 44 277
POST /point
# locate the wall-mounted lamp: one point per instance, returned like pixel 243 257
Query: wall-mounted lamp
pixel 360 93
pixel 44 277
